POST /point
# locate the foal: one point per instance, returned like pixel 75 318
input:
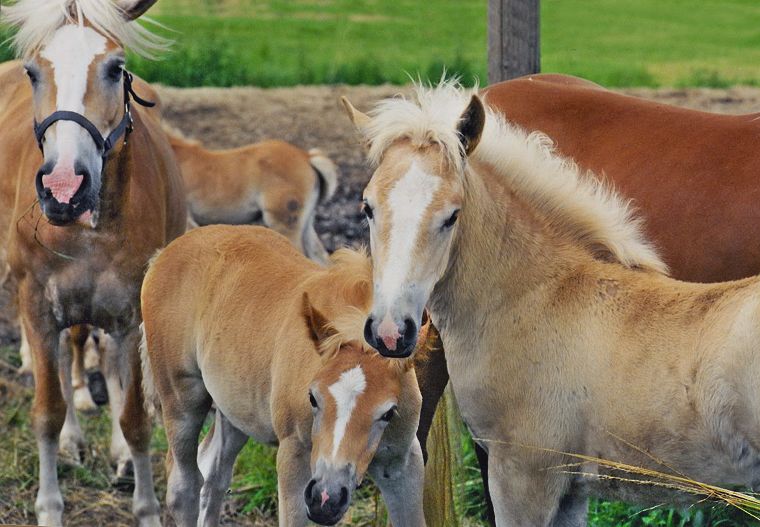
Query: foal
pixel 562 332
pixel 272 181
pixel 275 341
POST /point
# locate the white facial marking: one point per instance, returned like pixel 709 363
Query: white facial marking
pixel 346 391
pixel 408 201
pixel 70 51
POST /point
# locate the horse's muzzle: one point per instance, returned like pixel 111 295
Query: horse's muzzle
pixel 61 210
pixel 400 346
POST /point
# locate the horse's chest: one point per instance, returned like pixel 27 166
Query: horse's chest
pixel 81 294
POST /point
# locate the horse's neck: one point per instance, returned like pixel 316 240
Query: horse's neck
pixel 503 251
pixel 191 157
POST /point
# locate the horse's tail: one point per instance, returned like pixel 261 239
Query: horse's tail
pixel 327 172
pixel 150 395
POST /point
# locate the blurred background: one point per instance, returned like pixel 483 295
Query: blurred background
pixel 617 43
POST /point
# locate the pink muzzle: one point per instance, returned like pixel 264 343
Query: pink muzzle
pixel 63 183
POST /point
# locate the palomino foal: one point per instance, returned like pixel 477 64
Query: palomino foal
pixel 562 332
pixel 280 369
pixel 271 181
pixel 81 221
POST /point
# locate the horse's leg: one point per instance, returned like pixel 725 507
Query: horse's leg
pixel 286 213
pixel 49 407
pixel 216 459
pixel 482 457
pixel 72 443
pixel 114 366
pixel 78 338
pixel 432 377
pixel 312 244
pixel 524 493
pixel 572 511
pixel 293 474
pixel 183 420
pixel 25 371
pixel 401 483
pixel 136 426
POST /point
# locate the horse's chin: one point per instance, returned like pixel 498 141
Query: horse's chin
pixel 88 218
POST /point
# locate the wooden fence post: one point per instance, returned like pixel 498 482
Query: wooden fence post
pixel 513 39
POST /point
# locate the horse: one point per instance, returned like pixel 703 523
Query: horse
pixel 691 174
pixel 275 341
pixel 563 333
pixel 80 222
pixel 270 181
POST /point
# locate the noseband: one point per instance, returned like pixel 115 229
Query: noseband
pixel 105 145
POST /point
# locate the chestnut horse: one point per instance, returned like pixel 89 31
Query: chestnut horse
pixel 82 220
pixel 275 341
pixel 562 332
pixel 271 181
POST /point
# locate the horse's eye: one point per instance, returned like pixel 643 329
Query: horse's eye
pixel 115 71
pixel 452 220
pixel 32 76
pixel 367 210
pixel 387 416
pixel 313 401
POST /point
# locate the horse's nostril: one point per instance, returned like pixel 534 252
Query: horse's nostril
pixel 343 497
pixel 368 336
pixel 307 493
pixel 410 328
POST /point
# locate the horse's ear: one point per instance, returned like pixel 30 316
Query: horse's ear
pixel 134 9
pixel 359 119
pixel 471 124
pixel 318 325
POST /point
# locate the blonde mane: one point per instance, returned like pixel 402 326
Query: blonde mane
pixel 36 20
pixel 573 201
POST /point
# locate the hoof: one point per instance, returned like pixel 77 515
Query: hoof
pixel 97 384
pixel 70 459
pixel 124 479
pixel 83 401
pixel 71 450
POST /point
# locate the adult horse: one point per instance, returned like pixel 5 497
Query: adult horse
pixel 81 221
pixel 559 324
pixel 691 174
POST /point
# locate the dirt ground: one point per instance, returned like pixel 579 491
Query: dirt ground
pixel 308 117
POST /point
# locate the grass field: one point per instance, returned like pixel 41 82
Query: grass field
pixel 91 499
pixel 712 43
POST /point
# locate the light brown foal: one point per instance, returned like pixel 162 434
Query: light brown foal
pixel 276 342
pixel 271 181
pixel 81 220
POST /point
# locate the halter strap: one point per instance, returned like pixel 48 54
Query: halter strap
pixel 105 145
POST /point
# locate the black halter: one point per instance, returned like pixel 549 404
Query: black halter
pixel 105 145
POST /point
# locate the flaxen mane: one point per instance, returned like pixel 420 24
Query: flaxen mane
pixel 351 274
pixel 36 20
pixel 573 202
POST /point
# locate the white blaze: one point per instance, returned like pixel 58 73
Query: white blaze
pixel 346 390
pixel 408 201
pixel 70 51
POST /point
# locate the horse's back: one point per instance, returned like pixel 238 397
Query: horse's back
pixel 220 275
pixel 683 168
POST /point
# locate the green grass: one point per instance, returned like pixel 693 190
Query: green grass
pixel 713 43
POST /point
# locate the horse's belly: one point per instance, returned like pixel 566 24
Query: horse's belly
pixel 245 407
